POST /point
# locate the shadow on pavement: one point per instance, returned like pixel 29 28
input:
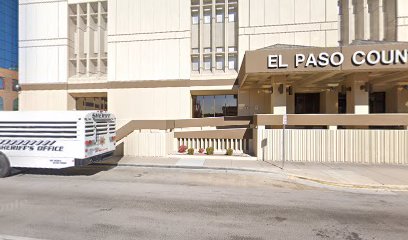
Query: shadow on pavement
pixel 88 170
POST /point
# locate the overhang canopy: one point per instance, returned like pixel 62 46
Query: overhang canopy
pixel 384 63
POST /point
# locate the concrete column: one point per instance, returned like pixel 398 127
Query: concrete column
pixel 366 16
pixel 258 141
pixel 402 99
pixel 290 102
pixel 329 102
pixel 350 24
pixel 362 19
pixel 278 96
pixel 376 12
pixel 357 98
pixel 381 20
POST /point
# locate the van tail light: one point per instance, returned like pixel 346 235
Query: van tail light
pixel 113 138
pixel 89 142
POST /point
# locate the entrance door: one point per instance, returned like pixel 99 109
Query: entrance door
pixel 377 102
pixel 307 103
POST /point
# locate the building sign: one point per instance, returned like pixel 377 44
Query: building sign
pixel 337 58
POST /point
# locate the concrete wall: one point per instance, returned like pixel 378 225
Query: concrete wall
pixel 402 20
pixel 148 40
pixel 302 22
pixel 150 103
pixel 43 41
pixel 49 100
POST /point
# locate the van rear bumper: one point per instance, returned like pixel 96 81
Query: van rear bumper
pixel 94 159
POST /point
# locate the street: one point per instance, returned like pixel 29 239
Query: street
pixel 107 202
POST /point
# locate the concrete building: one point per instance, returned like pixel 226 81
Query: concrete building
pixel 183 59
pixel 8 55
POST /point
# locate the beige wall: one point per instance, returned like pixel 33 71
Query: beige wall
pixel 150 103
pixel 329 102
pixel 148 40
pixel 402 20
pixel 48 100
pixel 254 101
pixel 301 22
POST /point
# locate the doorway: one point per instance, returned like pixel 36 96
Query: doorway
pixel 377 102
pixel 307 103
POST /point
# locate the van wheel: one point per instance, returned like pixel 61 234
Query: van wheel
pixel 4 166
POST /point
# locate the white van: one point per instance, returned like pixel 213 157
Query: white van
pixel 55 139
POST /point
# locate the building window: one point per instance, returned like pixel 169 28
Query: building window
pixel 88 58
pixel 208 46
pixel 207 16
pixel 195 63
pixel 220 62
pixel 15 104
pixel 232 14
pixel 195 18
pixel 207 63
pixel 1 83
pixel 220 49
pixel 220 16
pixel 215 106
pixel 232 62
pixel 92 103
pixel 1 104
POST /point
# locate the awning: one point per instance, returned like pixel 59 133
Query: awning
pixel 384 63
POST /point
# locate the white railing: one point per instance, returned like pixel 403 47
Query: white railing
pixel 219 145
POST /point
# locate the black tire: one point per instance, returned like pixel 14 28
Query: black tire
pixel 4 166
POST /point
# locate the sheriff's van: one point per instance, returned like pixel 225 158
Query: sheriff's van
pixel 55 139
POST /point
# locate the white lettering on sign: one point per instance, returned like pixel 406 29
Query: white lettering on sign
pixel 375 57
pixel 336 59
pixel 276 61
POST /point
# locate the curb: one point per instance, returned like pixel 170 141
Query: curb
pixel 399 188
pixel 188 167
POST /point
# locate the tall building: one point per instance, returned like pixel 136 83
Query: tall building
pixel 179 59
pixel 8 55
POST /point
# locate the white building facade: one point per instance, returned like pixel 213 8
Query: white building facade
pixel 179 59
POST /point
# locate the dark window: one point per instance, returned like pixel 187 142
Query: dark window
pixel 1 104
pixel 377 102
pixel 307 103
pixel 92 103
pixel 342 103
pixel 215 106
pixel 1 83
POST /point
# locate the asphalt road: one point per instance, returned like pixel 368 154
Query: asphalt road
pixel 146 203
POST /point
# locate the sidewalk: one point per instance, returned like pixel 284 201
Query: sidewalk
pixel 386 177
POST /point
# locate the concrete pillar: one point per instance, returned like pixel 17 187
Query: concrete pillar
pixel 402 100
pixel 278 96
pixel 376 12
pixel 258 141
pixel 71 103
pixel 362 19
pixel 290 102
pixel 350 24
pixel 357 98
pixel 329 102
